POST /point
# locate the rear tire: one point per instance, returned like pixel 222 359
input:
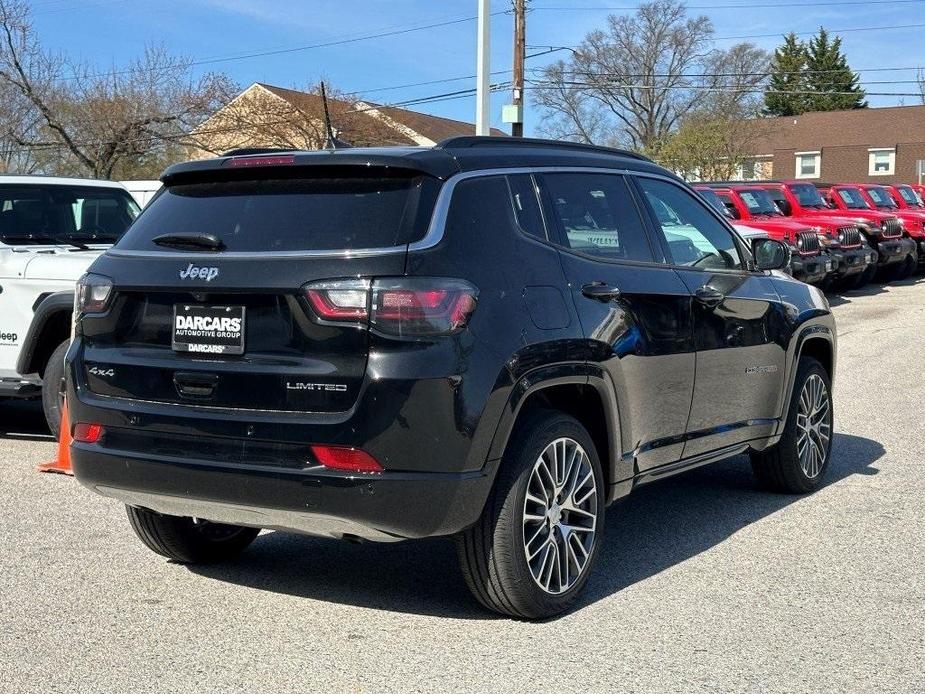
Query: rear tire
pixel 188 540
pixel 51 388
pixel 798 463
pixel 548 502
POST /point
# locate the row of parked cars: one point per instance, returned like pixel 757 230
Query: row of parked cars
pixel 841 235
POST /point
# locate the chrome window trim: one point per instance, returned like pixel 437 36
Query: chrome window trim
pixel 435 229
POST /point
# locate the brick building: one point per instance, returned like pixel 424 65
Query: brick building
pixel 875 145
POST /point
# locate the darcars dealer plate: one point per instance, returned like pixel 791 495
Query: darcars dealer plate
pixel 208 329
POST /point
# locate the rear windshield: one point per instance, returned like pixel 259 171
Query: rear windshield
pixel 47 214
pixel 294 214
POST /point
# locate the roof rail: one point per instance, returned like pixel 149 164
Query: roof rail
pixel 498 141
pixel 244 151
pixel 726 184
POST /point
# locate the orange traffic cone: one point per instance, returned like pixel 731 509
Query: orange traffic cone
pixel 62 463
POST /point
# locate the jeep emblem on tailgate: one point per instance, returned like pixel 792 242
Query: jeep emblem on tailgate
pixel 203 273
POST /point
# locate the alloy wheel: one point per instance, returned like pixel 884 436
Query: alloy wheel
pixel 560 516
pixel 814 426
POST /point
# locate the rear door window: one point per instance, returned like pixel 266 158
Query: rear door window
pixel 292 214
pixel 597 216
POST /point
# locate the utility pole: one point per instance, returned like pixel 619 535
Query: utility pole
pixel 482 87
pixel 520 49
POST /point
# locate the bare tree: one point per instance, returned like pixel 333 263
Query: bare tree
pixel 920 78
pixel 100 123
pixel 641 76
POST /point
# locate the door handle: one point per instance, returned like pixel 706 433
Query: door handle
pixel 708 296
pixel 601 291
pixel 195 385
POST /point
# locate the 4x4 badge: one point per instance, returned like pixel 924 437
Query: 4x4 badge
pixel 202 273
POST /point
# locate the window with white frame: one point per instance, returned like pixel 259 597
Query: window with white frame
pixel 808 164
pixel 881 161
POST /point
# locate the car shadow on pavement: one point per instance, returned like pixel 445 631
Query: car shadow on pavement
pixel 655 528
pixel 846 296
pixel 23 421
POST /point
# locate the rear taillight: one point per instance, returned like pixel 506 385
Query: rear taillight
pixel 93 292
pixel 343 458
pixel 87 433
pixel 400 307
pixel 342 300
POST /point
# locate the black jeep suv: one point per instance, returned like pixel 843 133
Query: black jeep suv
pixel 491 338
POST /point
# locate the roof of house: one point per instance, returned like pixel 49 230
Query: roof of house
pixel 405 125
pixel 867 127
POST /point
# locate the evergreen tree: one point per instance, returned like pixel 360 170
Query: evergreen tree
pixel 827 71
pixel 788 74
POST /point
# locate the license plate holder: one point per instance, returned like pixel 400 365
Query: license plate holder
pixel 208 330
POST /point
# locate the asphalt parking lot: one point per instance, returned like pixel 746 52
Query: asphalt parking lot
pixel 705 582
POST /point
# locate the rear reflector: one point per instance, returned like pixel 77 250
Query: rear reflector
pixel 87 433
pixel 349 459
pixel 244 162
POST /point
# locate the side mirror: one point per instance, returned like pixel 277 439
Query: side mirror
pixel 784 207
pixel 770 254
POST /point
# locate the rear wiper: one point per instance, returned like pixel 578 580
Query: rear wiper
pixel 39 238
pixel 192 242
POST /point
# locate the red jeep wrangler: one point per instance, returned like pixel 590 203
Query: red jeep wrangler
pixel 849 245
pixel 857 198
pixel 751 207
pixel 902 201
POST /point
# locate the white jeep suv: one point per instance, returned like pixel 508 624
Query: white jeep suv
pixel 51 229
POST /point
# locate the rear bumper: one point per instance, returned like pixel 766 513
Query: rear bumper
pixel 25 387
pixel 380 507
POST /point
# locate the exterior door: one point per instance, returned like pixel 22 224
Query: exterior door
pixel 634 310
pixel 739 331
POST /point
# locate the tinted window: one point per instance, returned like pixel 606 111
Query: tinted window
pixel 292 214
pixel 807 195
pixel 713 198
pixel 480 207
pixel 526 206
pixel 694 236
pixel 58 214
pixel 597 216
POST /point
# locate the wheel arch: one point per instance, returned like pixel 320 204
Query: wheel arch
pixel 581 391
pixel 817 341
pixel 51 324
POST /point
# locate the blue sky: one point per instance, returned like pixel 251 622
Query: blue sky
pixel 111 32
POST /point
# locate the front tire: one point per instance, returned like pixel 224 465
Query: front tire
pixel 189 540
pixel 798 463
pixel 532 551
pixel 51 388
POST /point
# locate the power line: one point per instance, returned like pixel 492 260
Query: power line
pixel 704 88
pixel 728 6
